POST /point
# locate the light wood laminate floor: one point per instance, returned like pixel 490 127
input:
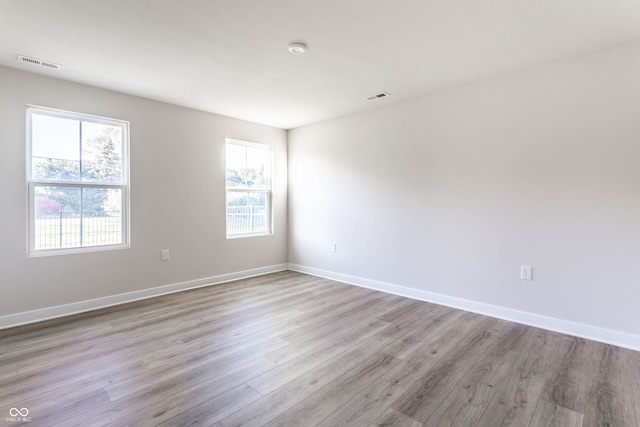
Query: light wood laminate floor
pixel 287 349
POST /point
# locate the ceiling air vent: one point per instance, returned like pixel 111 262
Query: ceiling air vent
pixel 376 96
pixel 39 62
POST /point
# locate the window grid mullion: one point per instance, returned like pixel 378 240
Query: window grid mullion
pixel 247 190
pixel 73 184
pixel 80 150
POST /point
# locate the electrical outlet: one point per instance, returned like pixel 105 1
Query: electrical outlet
pixel 165 255
pixel 525 272
pixel 333 247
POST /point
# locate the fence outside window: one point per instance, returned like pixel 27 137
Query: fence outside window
pixel 68 229
pixel 247 219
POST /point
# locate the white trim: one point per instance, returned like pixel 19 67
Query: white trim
pixel 608 336
pixel 48 313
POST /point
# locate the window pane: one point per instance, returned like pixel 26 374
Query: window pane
pixel 60 222
pixel 236 161
pixel 55 148
pixel 57 217
pixel 257 163
pixel 247 166
pixel 247 212
pixel 101 153
pixel 101 216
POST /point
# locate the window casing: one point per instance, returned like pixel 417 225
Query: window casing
pixel 248 188
pixel 78 182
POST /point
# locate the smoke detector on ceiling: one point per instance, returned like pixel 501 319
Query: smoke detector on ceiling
pixel 40 62
pixel 376 96
pixel 297 48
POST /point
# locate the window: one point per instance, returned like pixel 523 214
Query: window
pixel 248 168
pixel 77 173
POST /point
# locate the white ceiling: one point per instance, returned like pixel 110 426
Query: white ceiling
pixel 230 56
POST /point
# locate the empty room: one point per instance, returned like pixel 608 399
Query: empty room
pixel 319 213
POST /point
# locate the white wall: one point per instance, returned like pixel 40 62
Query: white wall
pixel 450 193
pixel 177 199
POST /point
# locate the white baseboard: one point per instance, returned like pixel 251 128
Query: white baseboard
pixel 608 336
pixel 48 313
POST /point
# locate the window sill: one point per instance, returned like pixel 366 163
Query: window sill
pixel 72 251
pixel 244 235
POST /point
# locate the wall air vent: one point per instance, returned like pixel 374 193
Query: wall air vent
pixel 376 96
pixel 39 62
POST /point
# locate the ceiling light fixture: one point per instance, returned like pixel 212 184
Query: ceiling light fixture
pixel 297 48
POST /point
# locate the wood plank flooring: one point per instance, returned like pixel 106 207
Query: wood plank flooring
pixel 287 349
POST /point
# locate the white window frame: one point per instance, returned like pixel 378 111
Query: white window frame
pixel 33 183
pixel 268 191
